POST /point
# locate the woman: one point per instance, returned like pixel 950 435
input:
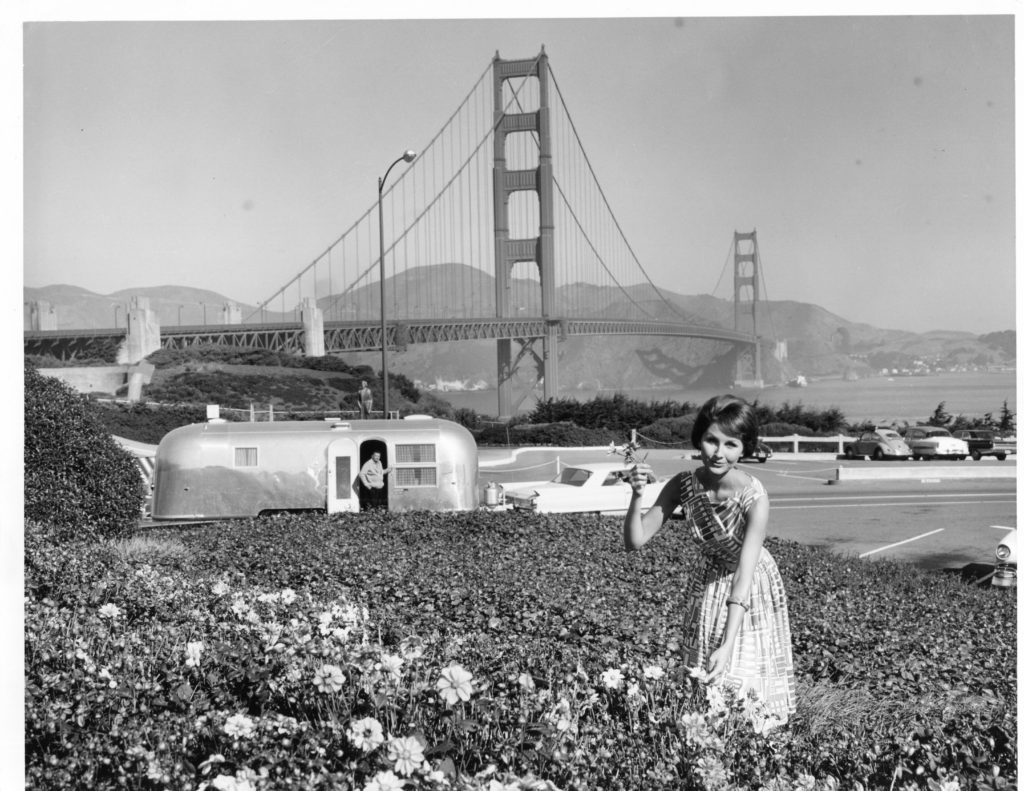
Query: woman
pixel 736 620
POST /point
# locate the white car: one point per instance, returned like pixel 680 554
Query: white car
pixel 931 442
pixel 601 487
pixel 1005 575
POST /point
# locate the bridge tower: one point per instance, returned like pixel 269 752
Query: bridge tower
pixel 746 296
pixel 539 249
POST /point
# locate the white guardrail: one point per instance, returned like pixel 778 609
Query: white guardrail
pixel 791 444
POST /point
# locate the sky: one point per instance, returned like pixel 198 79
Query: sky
pixel 874 155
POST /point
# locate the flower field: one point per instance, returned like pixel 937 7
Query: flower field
pixel 487 651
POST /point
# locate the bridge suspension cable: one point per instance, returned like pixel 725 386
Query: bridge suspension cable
pixel 439 257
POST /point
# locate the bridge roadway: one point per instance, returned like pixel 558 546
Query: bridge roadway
pixel 353 336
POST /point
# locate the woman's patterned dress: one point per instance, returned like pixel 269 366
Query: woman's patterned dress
pixel 762 658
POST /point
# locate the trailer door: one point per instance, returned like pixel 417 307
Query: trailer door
pixel 342 471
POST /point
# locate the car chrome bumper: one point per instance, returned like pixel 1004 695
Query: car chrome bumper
pixel 1005 575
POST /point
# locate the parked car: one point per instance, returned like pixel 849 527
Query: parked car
pixel 1005 575
pixel 880 443
pixel 601 487
pixel 980 442
pixel 761 454
pixel 933 442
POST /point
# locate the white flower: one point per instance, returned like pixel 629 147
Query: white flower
pixel 367 734
pixel 698 673
pixel 110 610
pixel 220 589
pixel 716 698
pixel 329 678
pixel 239 726
pixel 287 596
pixel 612 678
pixel 412 647
pixel 269 598
pixel 526 682
pixel 385 781
pixel 194 652
pixel 390 665
pixel 105 675
pixel 632 690
pixel 407 753
pixel 653 672
pixel 216 758
pixel 561 715
pixel 455 684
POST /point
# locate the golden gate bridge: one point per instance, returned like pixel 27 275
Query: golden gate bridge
pixel 498 229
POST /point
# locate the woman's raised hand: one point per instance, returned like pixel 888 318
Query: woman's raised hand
pixel 639 475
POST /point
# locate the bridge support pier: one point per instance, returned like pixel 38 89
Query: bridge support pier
pixel 312 329
pixel 143 336
pixel 41 315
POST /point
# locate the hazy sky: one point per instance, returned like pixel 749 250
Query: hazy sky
pixel 873 154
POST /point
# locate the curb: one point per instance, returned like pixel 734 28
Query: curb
pixel 929 474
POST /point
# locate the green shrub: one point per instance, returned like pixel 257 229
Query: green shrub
pixel 216 670
pixel 76 477
pixel 145 423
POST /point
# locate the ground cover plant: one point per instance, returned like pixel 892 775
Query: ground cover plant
pixel 486 651
pixel 76 477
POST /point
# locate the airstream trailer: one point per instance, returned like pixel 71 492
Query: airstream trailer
pixel 221 470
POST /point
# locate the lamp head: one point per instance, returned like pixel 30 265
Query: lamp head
pixel 409 156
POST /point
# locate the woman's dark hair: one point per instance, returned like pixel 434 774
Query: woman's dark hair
pixel 734 416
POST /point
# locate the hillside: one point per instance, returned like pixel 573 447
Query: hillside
pixel 819 343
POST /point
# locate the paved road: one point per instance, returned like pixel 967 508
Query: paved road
pixel 932 523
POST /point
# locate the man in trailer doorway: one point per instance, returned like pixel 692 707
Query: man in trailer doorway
pixel 371 476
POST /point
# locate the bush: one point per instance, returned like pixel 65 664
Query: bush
pixel 673 431
pixel 254 653
pixel 76 476
pixel 144 423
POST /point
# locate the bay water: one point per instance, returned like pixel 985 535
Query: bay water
pixel 880 399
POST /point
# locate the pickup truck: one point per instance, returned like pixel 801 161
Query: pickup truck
pixel 982 442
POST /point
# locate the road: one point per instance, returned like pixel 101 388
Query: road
pixel 931 523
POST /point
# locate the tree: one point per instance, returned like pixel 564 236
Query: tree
pixel 940 417
pixel 77 477
pixel 1007 420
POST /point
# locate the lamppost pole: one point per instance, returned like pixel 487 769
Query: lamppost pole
pixel 116 308
pixel 408 156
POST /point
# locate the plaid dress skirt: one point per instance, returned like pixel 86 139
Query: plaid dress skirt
pixel 762 658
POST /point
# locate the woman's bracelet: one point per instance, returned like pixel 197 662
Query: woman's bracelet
pixel 744 605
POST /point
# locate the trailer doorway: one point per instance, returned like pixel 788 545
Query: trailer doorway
pixel 370 499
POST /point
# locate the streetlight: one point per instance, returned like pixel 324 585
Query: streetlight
pixel 116 308
pixel 179 314
pixel 408 156
pixel 204 312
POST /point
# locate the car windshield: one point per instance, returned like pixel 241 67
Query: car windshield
pixel 889 434
pixel 573 476
pixel 938 432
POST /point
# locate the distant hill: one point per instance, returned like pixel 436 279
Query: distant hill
pixel 819 343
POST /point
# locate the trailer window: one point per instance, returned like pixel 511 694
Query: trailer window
pixel 415 465
pixel 415 476
pixel 246 457
pixel 415 454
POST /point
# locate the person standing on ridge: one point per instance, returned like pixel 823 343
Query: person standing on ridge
pixel 365 400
